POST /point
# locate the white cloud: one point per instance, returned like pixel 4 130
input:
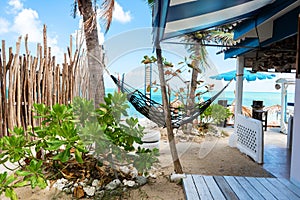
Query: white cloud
pixel 120 15
pixel 16 5
pixel 27 22
pixel 4 26
pixel 55 49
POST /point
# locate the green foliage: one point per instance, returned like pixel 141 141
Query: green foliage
pixel 113 135
pixel 14 147
pixel 145 158
pixel 6 185
pixel 33 174
pixel 64 134
pixel 215 113
pixel 58 130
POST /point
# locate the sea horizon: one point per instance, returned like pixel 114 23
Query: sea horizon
pixel 268 98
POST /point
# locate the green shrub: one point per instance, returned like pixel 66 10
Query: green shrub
pixel 65 134
pixel 215 113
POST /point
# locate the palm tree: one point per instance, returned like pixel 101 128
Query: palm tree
pixel 196 45
pixel 87 8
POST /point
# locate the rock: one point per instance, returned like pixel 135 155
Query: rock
pixel 113 184
pixel 83 184
pixel 60 184
pixel 68 190
pixel 89 190
pixel 125 170
pixel 128 183
pixel 133 171
pixel 141 180
pixel 69 185
pixel 95 183
pixel 176 177
pixel 99 194
pixel 152 175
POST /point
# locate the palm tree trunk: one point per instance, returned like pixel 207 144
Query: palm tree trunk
pixel 96 83
pixel 194 79
pixel 166 106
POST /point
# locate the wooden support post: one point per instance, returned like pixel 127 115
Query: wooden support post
pixel 166 106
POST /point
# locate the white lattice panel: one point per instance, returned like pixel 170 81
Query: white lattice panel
pixel 250 140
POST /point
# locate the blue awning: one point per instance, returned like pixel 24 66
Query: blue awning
pixel 274 23
pixel 267 14
pixel 173 18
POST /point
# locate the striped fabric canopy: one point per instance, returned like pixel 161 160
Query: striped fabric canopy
pixel 172 18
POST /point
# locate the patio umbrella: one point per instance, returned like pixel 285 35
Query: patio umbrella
pixel 248 75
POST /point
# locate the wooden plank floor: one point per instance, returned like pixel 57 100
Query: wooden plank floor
pixel 238 187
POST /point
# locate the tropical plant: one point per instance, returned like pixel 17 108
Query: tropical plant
pixel 215 113
pixel 113 135
pixel 60 142
pixel 196 44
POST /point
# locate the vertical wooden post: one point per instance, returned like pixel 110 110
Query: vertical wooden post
pixel 4 91
pixel 166 106
pixel 1 95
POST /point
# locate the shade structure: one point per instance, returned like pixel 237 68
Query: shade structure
pixel 247 75
pixel 173 18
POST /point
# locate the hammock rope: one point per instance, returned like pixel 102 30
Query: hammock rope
pixel 154 110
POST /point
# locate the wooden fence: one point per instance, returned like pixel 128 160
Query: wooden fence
pixel 27 79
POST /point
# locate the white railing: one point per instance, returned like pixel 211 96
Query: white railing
pixel 250 138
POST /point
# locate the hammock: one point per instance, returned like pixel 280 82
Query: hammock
pixel 154 110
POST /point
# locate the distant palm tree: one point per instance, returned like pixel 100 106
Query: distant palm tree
pixel 88 10
pixel 196 45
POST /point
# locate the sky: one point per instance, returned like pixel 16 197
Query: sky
pixel 127 41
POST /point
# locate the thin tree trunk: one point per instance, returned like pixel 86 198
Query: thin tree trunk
pixel 171 138
pixel 96 83
pixel 194 78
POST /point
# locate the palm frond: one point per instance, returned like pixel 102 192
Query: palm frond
pixel 150 3
pixel 74 9
pixel 220 37
pixel 107 9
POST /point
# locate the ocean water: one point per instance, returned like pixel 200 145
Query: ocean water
pixel 268 98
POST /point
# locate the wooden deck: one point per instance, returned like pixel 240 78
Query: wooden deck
pixel 234 187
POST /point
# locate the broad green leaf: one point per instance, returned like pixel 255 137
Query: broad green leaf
pixel 21 184
pixel 54 145
pixel 33 181
pixel 10 193
pixel 3 177
pixel 78 156
pixel 41 182
pixel 23 173
pixel 63 156
pixel 10 179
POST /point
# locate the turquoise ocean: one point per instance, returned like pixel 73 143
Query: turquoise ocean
pixel 268 98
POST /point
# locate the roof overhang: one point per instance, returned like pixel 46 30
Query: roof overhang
pixel 274 23
pixel 173 18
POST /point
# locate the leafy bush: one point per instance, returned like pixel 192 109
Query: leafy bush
pixel 64 135
pixel 112 135
pixel 215 113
